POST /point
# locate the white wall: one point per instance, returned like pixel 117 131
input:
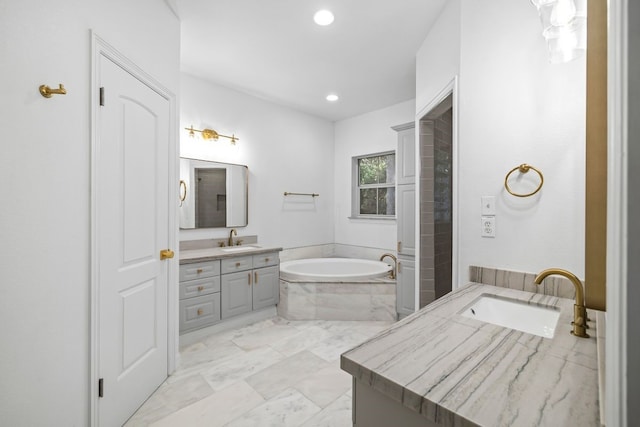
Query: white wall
pixel 285 150
pixel 365 134
pixel 45 168
pixel 438 59
pixel 514 107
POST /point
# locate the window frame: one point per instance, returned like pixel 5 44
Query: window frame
pixel 356 187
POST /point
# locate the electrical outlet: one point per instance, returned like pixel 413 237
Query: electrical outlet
pixel 488 205
pixel 488 226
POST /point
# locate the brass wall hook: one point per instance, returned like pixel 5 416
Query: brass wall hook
pixel 47 92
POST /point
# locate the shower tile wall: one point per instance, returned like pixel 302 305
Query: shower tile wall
pixel 442 203
pixel 435 207
pixel 427 226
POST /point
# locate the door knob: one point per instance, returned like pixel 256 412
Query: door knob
pixel 166 254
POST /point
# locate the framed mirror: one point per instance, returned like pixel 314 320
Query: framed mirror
pixel 212 194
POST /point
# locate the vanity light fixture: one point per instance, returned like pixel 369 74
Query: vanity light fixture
pixel 323 17
pixel 332 97
pixel 211 134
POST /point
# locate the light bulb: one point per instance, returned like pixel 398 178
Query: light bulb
pixel 563 12
pixel 323 17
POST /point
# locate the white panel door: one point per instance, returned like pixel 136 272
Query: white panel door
pixel 132 227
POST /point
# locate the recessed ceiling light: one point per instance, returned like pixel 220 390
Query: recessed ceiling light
pixel 332 97
pixel 323 17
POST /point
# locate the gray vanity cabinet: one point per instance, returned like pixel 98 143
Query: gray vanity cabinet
pixel 199 292
pixel 266 290
pixel 249 283
pixel 236 294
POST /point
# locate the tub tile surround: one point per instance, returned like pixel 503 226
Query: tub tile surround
pixel 553 285
pixel 374 299
pixel 468 369
pixel 292 380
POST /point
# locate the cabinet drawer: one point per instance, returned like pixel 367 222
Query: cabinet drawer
pixel 199 312
pixel 199 270
pixel 265 260
pixel 195 288
pixel 232 265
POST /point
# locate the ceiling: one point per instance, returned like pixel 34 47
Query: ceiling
pixel 272 49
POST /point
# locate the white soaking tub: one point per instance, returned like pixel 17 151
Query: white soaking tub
pixel 337 289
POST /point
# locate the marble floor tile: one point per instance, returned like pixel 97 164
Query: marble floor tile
pixel 170 397
pixel 202 353
pixel 223 374
pixel 337 414
pixel 264 337
pixel 215 410
pixel 282 375
pixel 288 409
pixel 302 340
pixel 331 348
pixel 326 385
pixel 275 372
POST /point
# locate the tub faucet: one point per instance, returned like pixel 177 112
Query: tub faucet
pixel 395 264
pixel 579 310
pixel 231 234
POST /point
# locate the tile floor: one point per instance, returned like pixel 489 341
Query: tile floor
pixel 274 372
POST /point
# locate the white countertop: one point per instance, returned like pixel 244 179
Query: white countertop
pixel 460 371
pixel 210 254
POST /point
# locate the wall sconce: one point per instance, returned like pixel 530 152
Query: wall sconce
pixel 563 27
pixel 211 134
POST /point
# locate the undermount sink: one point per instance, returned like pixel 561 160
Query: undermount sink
pixel 514 314
pixel 239 248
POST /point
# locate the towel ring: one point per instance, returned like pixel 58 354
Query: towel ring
pixel 183 191
pixel 523 168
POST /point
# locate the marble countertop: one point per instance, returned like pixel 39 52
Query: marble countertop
pixel 210 254
pixel 459 371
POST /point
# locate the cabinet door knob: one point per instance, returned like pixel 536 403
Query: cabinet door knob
pixel 249 278
pixel 199 312
pixel 237 264
pixel 266 260
pixel 399 246
pixel 255 277
pixel 198 271
pixel 200 288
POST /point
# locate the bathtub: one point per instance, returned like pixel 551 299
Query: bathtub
pixel 333 269
pixel 336 289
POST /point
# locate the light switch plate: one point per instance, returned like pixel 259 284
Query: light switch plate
pixel 488 205
pixel 488 226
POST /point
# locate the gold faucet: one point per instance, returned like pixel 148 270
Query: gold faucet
pixel 579 310
pixel 395 264
pixel 231 234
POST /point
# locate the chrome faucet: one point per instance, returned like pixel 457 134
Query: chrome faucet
pixel 231 234
pixel 395 264
pixel 579 310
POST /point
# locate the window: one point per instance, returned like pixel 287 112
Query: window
pixel 374 190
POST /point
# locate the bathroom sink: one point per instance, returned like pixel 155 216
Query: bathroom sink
pixel 514 314
pixel 239 248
